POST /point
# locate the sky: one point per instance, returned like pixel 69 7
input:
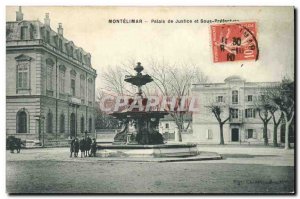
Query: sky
pixel 113 44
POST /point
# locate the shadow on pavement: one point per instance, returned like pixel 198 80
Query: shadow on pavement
pixel 225 156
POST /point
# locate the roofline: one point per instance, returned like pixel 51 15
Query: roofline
pixel 79 48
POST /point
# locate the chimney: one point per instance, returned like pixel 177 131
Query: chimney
pixel 47 20
pixel 60 29
pixel 19 14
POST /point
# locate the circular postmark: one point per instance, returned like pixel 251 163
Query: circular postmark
pixel 234 42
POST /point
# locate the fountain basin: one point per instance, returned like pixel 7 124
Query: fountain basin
pixel 156 151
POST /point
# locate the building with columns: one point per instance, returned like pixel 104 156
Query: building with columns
pixel 50 83
pixel 245 125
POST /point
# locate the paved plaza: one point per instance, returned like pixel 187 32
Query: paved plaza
pixel 243 169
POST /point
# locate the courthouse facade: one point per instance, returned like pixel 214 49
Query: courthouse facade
pixel 50 83
pixel 245 125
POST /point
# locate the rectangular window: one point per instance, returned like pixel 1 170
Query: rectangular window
pixel 209 134
pixel 24 32
pixel 235 97
pixel 220 99
pixel 250 113
pixel 49 77
pixel 20 79
pixel 82 90
pixel 73 87
pixel 62 81
pixel 167 125
pixel 90 90
pixel 23 73
pixel 250 133
pixel 249 98
pixel 235 113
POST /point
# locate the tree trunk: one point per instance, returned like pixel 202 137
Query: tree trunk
pixel 265 132
pixel 275 144
pixel 221 135
pixel 287 140
pixel 178 137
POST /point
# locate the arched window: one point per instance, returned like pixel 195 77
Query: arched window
pixel 235 97
pixel 22 122
pixel 62 123
pixel 82 124
pixel 49 122
pixel 90 125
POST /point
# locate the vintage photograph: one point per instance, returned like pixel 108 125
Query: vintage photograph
pixel 150 100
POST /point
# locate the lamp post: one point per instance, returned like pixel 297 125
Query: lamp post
pixel 40 119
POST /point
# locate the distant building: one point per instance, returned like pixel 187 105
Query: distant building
pixel 50 83
pixel 245 126
pixel 168 127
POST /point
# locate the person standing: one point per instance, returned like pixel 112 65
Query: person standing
pixel 88 145
pixel 76 147
pixel 72 147
pixel 93 148
pixel 82 146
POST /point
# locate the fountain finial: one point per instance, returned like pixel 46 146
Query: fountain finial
pixel 139 68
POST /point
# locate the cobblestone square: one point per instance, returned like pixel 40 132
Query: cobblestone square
pixel 243 169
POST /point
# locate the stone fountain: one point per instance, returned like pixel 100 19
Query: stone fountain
pixel 139 135
pixel 138 127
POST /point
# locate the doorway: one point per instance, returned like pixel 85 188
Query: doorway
pixel 235 135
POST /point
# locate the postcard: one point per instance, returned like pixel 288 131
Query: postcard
pixel 150 100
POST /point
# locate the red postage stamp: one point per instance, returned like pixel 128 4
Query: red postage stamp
pixel 234 42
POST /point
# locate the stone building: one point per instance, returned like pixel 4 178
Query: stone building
pixel 50 83
pixel 245 125
pixel 168 128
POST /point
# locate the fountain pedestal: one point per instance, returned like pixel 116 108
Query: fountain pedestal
pixel 156 151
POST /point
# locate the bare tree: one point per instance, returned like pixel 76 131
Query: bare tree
pixel 103 120
pixel 169 80
pixel 264 116
pixel 273 110
pixel 283 98
pixel 218 109
pixel 263 107
pixel 175 80
pixel 113 81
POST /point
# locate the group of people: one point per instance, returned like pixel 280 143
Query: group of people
pixel 87 147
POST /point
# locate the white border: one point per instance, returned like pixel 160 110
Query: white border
pixel 5 3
